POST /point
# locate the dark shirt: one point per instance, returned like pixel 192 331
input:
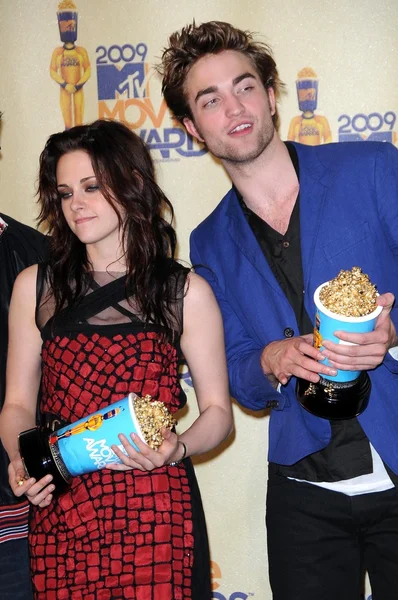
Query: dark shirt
pixel 348 453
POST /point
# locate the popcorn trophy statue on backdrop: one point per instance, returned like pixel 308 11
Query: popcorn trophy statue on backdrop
pixel 308 128
pixel 70 66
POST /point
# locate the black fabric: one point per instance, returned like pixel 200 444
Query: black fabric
pixel 20 247
pixel 15 582
pixel 348 453
pixel 346 456
pixel 201 577
pixel 93 303
pixel 320 542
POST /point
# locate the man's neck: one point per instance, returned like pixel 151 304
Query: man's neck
pixel 268 184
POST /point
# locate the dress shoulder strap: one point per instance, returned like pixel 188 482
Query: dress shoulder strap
pixel 42 271
pixel 176 289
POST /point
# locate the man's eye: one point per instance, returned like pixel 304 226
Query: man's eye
pixel 211 102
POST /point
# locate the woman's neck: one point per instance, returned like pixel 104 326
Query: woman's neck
pixel 103 259
pixel 107 263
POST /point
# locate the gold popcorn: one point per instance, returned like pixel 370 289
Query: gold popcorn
pixel 350 294
pixel 152 416
pixel 67 5
pixel 306 73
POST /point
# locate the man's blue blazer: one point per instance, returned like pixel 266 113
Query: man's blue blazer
pixel 348 217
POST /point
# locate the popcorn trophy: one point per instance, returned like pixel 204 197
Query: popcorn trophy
pixel 85 445
pixel 347 303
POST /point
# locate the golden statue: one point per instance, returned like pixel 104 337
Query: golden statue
pixel 70 66
pixel 308 128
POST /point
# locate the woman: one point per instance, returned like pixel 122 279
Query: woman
pixel 109 315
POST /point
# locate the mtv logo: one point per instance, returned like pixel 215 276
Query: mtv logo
pixel 128 82
pixel 67 26
pixel 374 136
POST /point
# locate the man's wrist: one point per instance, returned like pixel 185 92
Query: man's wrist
pixel 393 341
pixel 264 362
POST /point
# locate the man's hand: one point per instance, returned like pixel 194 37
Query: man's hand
pixel 295 356
pixel 364 351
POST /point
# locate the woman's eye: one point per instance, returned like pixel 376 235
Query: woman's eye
pixel 64 195
pixel 92 188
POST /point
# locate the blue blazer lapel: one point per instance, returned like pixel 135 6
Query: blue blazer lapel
pixel 315 180
pixel 242 235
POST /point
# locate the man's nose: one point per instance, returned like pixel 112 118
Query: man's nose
pixel 234 106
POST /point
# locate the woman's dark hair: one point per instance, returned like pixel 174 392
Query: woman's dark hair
pixel 125 175
pixel 193 42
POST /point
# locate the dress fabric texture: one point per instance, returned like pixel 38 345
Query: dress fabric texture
pixel 131 534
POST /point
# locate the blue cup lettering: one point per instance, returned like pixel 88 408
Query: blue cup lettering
pixel 85 445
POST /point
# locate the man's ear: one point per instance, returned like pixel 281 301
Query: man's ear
pixel 190 127
pixel 271 99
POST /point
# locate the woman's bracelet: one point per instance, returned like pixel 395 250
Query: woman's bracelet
pixel 177 462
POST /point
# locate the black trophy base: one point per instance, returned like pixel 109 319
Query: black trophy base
pixel 332 400
pixel 38 459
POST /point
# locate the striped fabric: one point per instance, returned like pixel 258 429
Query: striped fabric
pixel 14 522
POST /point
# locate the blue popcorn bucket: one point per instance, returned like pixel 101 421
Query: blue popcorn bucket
pixel 345 395
pixel 80 447
pixel 67 25
pixel 327 322
pixel 85 446
pixel 307 94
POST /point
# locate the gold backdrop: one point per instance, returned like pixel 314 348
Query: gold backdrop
pixel 344 54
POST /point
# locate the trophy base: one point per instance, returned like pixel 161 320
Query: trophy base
pixel 333 400
pixel 39 459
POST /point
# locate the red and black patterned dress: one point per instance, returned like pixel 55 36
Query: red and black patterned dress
pixel 131 534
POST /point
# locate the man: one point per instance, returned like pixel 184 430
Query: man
pixel 294 217
pixel 20 246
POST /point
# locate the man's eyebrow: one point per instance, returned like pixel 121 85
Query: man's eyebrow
pixel 209 90
pixel 213 88
pixel 243 76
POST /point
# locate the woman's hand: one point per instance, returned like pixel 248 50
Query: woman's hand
pixel 147 459
pixel 39 493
